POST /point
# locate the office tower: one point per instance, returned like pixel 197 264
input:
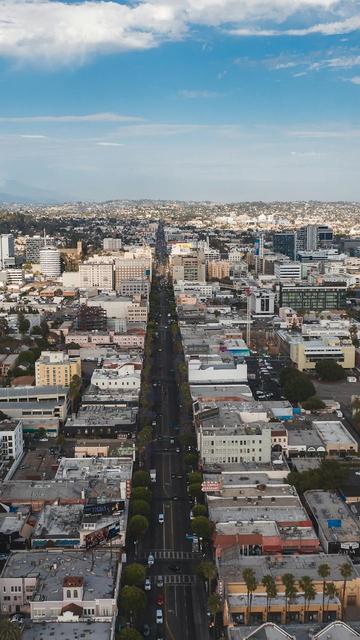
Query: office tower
pixel 34 244
pixel 313 236
pixel 7 250
pixel 50 262
pixel 285 243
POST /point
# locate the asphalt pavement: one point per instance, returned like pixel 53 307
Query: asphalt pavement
pixel 175 563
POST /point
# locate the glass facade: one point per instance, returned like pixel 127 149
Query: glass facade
pixel 313 298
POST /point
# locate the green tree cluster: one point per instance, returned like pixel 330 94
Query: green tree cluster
pixel 296 385
pixel 329 370
pixel 330 475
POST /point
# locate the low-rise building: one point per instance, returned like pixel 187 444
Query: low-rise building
pixel 35 402
pixel 11 440
pixel 335 437
pixel 337 527
pixel 56 368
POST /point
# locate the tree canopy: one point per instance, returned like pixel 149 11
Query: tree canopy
pixel 329 370
pixel 296 385
pixel 134 574
pixel 329 475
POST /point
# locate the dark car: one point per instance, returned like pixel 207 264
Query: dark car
pixel 175 568
pixel 146 631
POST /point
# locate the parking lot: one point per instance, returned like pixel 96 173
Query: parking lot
pixel 37 465
pixel 340 391
pixel 264 377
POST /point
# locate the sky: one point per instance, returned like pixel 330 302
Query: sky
pixel 225 100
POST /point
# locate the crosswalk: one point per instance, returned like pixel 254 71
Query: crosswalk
pixel 179 580
pixel 175 555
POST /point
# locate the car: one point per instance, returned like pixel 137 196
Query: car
pixel 146 631
pixel 17 618
pixel 172 441
pixel 159 616
pixel 151 559
pixel 147 584
pixel 160 581
pixel 160 600
pixel 175 568
pixel 4 556
pixel 161 518
pixel 175 498
pixel 43 439
pixel 22 467
pixel 177 449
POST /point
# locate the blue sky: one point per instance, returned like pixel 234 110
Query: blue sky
pixel 189 99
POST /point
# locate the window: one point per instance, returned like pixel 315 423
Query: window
pixel 68 593
pixel 76 593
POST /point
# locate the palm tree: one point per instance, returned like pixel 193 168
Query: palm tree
pixel 324 572
pixel 346 573
pixel 251 584
pixel 208 571
pixel 9 630
pixel 288 581
pixel 307 585
pixel 271 591
pixel 330 592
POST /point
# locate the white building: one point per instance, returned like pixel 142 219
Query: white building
pixel 50 262
pixel 123 375
pixel 287 271
pixel 212 370
pixel 11 439
pixel 112 244
pixel 97 273
pixel 262 302
pixel 234 444
pixel 7 250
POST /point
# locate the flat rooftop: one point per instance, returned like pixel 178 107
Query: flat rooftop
pixel 246 478
pixel 328 507
pixel 66 631
pixel 231 565
pixel 247 512
pixel 237 392
pixel 92 468
pixel 25 491
pixel 67 520
pixel 103 415
pixel 334 432
pixel 98 568
pixel 334 631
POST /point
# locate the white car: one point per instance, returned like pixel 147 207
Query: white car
pixel 161 518
pixel 151 560
pixel 147 584
pixel 159 616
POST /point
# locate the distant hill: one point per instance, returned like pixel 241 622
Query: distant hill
pixel 12 191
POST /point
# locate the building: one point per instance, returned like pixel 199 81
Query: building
pixel 11 440
pixel 132 288
pixel 97 273
pixel 7 250
pixel 132 267
pixel 213 369
pixel 188 267
pixel 336 437
pixel 59 586
pixel 34 244
pixel 337 527
pixel 313 236
pixel 236 611
pixel 287 271
pixel 14 277
pixel 56 368
pixel 91 318
pixel 285 243
pixel 306 353
pixel 50 262
pixel 218 269
pixel 112 244
pixel 121 375
pixel 262 302
pixel 312 298
pixel 35 402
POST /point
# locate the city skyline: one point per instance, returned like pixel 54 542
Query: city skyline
pixel 220 100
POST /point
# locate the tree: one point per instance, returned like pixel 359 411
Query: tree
pixel 9 630
pixel 215 605
pixel 141 493
pixel 188 440
pixel 329 476
pixel 307 586
pixel 132 601
pixel 191 459
pixel 288 581
pixel 129 634
pixel 251 584
pixel 195 491
pixel 26 358
pixel 208 571
pixel 141 479
pixel 346 573
pixel 22 323
pixel 329 370
pixel 199 510
pixel 271 591
pixel 138 526
pixel 44 328
pixel 144 437
pixel 296 385
pixel 4 327
pixel 201 527
pixel 36 330
pixel 134 574
pixel 324 572
pixel 140 508
pixel 331 593
pixel 195 477
pixel 314 403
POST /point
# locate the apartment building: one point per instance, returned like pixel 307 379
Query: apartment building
pixel 312 298
pixel 218 269
pixel 287 271
pixel 11 440
pixel 97 273
pixel 188 267
pixel 56 368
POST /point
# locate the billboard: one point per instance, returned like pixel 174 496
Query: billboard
pixel 104 508
pixel 210 486
pixel 334 524
pixel 102 535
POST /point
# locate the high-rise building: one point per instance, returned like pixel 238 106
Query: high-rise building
pixel 285 243
pixel 50 262
pixel 97 273
pixel 112 244
pixel 313 236
pixel 34 244
pixel 91 318
pixel 7 250
pixel 188 267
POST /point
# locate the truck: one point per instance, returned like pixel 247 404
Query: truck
pixel 153 475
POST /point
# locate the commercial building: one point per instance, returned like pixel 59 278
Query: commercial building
pixel 112 244
pixel 306 353
pixel 7 250
pixel 337 527
pixel 236 611
pixel 11 440
pixel 50 262
pixel 262 302
pixel 34 244
pixel 335 437
pixel 132 267
pixel 285 243
pixel 287 271
pixel 56 368
pixel 312 298
pixel 91 318
pixel 188 267
pixel 218 269
pixel 213 369
pixel 313 236
pixel 136 287
pixel 97 273
pixel 60 586
pixel 118 375
pixel 102 421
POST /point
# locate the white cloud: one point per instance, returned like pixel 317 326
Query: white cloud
pixel 56 32
pixel 337 132
pixel 109 144
pixel 355 80
pixel 31 136
pixel 90 117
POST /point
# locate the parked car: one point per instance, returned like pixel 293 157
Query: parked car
pixel 147 584
pixel 159 616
